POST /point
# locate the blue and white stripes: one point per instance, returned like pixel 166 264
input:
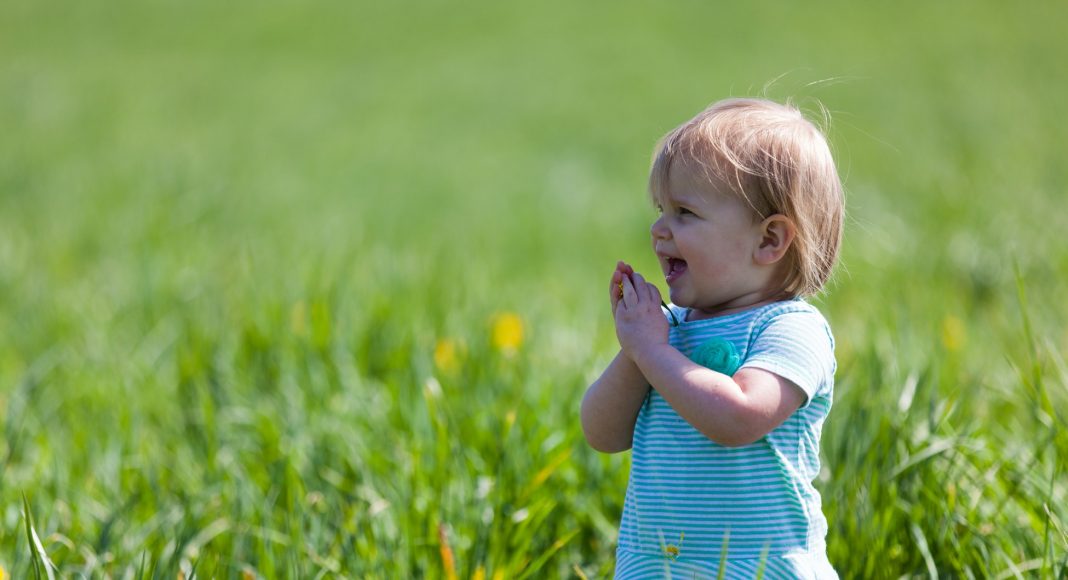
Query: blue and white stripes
pixel 687 494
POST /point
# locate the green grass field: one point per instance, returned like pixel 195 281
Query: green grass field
pixel 314 289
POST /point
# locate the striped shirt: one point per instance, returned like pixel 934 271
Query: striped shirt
pixel 689 499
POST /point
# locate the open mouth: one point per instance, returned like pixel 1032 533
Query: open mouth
pixel 676 268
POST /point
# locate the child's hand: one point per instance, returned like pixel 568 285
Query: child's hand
pixel 615 290
pixel 640 322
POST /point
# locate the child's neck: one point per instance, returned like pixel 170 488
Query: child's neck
pixel 728 308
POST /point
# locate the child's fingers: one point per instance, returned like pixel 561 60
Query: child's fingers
pixel 654 293
pixel 615 287
pixel 625 271
pixel 630 297
pixel 641 289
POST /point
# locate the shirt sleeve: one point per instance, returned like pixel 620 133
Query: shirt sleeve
pixel 799 347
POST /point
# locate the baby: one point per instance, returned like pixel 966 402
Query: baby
pixel 723 404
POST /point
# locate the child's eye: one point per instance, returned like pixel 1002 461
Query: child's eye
pixel 684 211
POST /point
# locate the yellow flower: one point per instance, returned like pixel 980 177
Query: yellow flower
pixel 671 550
pixel 445 355
pixel 507 332
pixel 953 333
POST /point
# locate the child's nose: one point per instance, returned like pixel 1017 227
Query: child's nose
pixel 659 229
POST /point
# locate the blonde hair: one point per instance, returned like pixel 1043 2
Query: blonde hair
pixel 778 162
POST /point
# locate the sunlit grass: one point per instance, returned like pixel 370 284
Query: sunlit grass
pixel 314 291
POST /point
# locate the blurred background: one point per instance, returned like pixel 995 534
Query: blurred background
pixel 314 289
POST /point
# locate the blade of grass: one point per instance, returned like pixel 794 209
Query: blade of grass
pixel 1035 362
pixel 722 572
pixel 763 562
pixel 925 550
pixel 37 552
pixel 557 545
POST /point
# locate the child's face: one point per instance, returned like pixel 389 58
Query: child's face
pixel 707 239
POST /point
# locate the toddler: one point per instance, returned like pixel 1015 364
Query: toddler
pixel 722 399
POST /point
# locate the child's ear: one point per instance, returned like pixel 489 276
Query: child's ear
pixel 776 234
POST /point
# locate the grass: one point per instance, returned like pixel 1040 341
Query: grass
pixel 261 268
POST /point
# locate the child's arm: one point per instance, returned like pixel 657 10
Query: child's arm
pixel 731 411
pixel 611 404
